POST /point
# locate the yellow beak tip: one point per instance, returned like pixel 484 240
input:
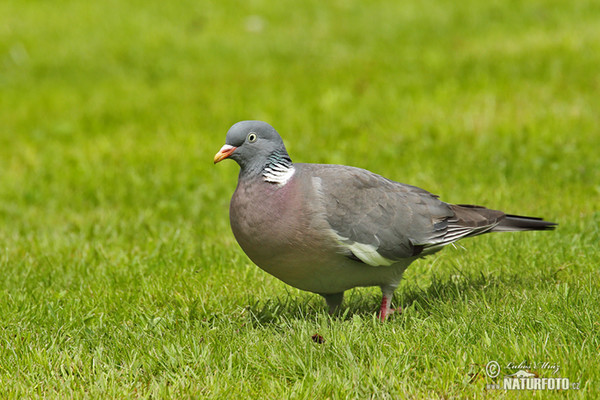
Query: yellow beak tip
pixel 224 153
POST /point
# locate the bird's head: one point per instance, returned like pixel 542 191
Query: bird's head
pixel 250 144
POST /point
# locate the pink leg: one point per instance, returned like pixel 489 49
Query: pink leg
pixel 385 309
pixel 386 302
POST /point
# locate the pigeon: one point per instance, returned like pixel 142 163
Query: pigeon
pixel 328 228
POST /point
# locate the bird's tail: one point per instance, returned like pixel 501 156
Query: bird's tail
pixel 511 223
pixel 470 220
pixel 484 220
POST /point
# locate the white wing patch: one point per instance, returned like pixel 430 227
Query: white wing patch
pixel 367 253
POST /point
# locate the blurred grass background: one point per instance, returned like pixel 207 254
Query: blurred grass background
pixel 120 276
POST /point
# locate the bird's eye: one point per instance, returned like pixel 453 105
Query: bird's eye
pixel 252 137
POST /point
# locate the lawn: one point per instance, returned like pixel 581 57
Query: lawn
pixel 120 277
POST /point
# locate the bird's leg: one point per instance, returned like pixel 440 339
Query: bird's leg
pixel 333 301
pixel 387 293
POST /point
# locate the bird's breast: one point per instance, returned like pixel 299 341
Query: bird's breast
pixel 279 230
pixel 266 219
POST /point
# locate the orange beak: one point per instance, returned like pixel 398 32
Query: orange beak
pixel 225 152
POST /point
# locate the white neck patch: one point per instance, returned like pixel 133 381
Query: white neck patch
pixel 278 173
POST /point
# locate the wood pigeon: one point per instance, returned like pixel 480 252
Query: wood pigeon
pixel 329 228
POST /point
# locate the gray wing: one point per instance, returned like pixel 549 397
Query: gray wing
pixel 379 221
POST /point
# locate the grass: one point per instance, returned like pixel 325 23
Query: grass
pixel 121 278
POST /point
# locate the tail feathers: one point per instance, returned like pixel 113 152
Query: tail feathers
pixel 511 223
pixel 470 220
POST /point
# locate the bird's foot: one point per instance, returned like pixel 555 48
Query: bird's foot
pixel 384 314
pixel 386 309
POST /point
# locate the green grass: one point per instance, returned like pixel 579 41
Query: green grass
pixel 120 276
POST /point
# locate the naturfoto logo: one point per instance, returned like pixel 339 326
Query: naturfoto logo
pixel 525 379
